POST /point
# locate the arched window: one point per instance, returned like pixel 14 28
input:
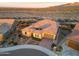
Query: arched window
pixel 25 32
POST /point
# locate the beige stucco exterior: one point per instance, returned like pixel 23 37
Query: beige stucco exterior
pixel 1 37
pixel 48 32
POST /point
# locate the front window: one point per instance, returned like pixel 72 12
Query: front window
pixel 37 35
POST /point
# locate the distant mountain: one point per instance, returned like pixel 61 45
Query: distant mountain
pixel 69 10
pixel 51 8
pixel 72 4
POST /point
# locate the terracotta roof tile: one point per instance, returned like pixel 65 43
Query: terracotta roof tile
pixel 52 28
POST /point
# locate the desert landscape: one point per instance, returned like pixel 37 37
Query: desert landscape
pixel 51 28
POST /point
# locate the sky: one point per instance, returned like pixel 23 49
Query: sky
pixel 30 4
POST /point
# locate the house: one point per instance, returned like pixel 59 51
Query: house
pixel 41 29
pixel 73 38
pixel 5 25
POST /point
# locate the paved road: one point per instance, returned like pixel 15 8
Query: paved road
pixel 26 50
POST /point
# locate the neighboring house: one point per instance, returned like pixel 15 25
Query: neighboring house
pixel 73 38
pixel 3 29
pixel 9 21
pixel 5 25
pixel 41 29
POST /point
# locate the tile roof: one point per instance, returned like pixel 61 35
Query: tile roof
pixel 4 28
pixel 75 34
pixel 5 25
pixel 9 21
pixel 45 25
